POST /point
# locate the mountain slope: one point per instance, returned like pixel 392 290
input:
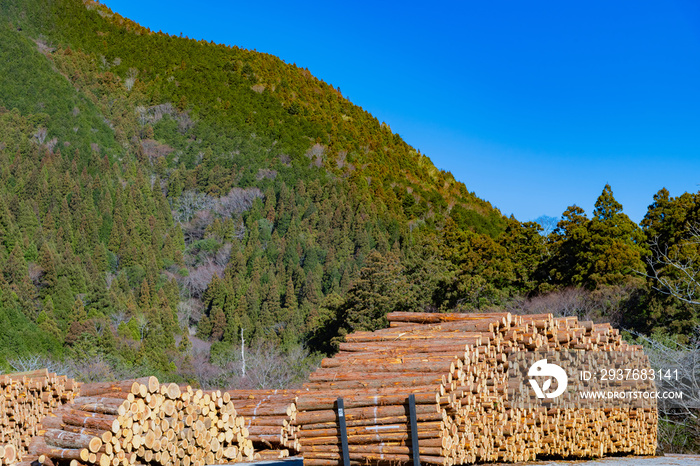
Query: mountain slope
pixel 157 187
pixel 231 90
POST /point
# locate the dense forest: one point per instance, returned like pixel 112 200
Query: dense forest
pixel 186 209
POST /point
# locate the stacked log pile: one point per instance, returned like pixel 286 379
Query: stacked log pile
pixel 268 416
pixel 457 367
pixel 144 422
pixel 26 397
pixel 462 369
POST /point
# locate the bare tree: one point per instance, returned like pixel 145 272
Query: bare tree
pixel 198 279
pixel 239 232
pixel 548 224
pixel 189 311
pixel 195 211
pixel 237 201
pixel 563 303
pixel 185 206
pixel 43 45
pixel 194 229
pixel 51 144
pixel 131 78
pixel 676 269
pixel 206 374
pixel 607 304
pixel 118 317
pixel 40 134
pixel 679 367
pixel 270 367
pixel 242 353
pixel 26 363
pixel 315 153
pixel 142 116
pixel 266 366
pixel 142 325
pixel 33 362
pixel 223 255
pixel 93 369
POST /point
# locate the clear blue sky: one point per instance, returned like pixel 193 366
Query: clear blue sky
pixel 533 105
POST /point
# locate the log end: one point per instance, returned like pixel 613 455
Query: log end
pixel 95 444
pixel 153 384
pixel 173 391
pixel 10 454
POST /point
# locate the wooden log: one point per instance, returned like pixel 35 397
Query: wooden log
pixel 429 346
pixel 91 420
pixel 387 366
pixel 265 409
pixel 104 405
pixel 338 375
pixel 312 401
pixel 394 382
pixel 386 358
pixel 379 421
pixel 333 430
pixel 38 446
pixel 64 439
pixel 505 318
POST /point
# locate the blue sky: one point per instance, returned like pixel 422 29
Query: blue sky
pixel 533 105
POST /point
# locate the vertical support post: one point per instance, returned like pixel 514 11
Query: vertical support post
pixel 343 432
pixel 414 429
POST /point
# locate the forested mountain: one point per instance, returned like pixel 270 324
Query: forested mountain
pixel 164 200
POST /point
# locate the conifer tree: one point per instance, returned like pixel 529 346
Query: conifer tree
pixel 616 244
pixel 568 264
pixel 218 324
pixel 145 295
pixel 48 324
pixel 15 269
pixel 290 300
pixel 382 287
pixel 78 313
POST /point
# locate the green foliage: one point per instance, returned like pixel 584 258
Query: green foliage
pixel 59 114
pixel 606 250
pixel 617 245
pixel 382 287
pixel 137 167
pixel 19 335
pixel 568 264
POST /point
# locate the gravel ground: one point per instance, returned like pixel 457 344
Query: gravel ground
pixel 668 460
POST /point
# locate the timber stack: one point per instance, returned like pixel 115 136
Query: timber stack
pixel 457 367
pixel 269 417
pixel 26 397
pixel 141 421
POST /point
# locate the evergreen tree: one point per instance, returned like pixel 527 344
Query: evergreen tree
pixel 382 287
pixel 145 295
pixel 78 313
pixel 15 269
pixel 616 244
pixel 569 260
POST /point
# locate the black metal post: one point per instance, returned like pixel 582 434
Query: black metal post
pixel 414 429
pixel 344 432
